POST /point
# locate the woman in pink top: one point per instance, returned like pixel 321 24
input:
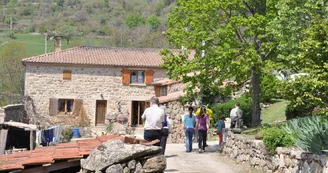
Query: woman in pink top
pixel 202 124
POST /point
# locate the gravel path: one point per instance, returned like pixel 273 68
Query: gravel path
pixel 178 161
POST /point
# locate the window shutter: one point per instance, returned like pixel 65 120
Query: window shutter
pixel 53 106
pixel 157 91
pixel 126 77
pixel 67 74
pixel 77 106
pixel 149 76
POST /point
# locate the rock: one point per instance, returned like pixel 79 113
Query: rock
pixel 126 170
pixel 259 135
pixel 296 154
pixel 132 164
pixel 138 168
pixel 155 164
pixel 115 169
pixel 114 151
pixel 281 150
pixel 316 167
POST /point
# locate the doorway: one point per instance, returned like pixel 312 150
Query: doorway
pixel 137 109
pixel 101 107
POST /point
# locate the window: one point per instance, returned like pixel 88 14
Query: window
pixel 67 75
pixel 163 90
pixel 137 77
pixel 160 91
pixel 65 105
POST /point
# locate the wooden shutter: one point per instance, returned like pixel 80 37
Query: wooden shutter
pixel 67 74
pixel 77 106
pixel 157 91
pixel 53 106
pixel 126 77
pixel 149 76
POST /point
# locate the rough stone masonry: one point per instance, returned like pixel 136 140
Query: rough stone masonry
pixel 114 156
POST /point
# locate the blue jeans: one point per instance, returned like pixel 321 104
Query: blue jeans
pixel 189 133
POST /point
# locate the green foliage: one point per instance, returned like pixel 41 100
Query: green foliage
pixel 67 135
pixel 294 111
pixel 12 35
pixel 225 108
pixel 153 22
pixel 236 43
pixel 8 19
pixel 42 29
pixel 11 68
pixel 132 21
pixel 274 137
pixel 269 87
pixel 68 32
pixel 309 133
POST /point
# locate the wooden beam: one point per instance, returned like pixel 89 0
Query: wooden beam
pixel 53 167
pixel 3 140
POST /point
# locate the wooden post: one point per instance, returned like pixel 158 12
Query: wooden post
pixel 3 140
pixel 31 140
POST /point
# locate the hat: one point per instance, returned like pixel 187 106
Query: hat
pixel 222 118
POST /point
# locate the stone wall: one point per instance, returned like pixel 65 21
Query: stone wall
pixel 16 113
pixel 177 87
pixel 254 152
pixel 88 84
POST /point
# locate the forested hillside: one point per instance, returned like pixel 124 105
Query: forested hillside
pixel 27 28
pixel 123 23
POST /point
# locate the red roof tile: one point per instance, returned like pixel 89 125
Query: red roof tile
pixel 51 154
pixel 171 97
pixel 135 57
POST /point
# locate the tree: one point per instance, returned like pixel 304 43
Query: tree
pixel 303 42
pixel 67 32
pixel 11 68
pixel 153 22
pixel 232 39
pixel 133 21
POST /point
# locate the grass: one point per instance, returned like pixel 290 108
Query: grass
pixel 35 44
pixel 275 112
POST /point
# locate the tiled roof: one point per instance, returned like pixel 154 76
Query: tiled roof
pixel 135 57
pixel 165 82
pixel 65 151
pixel 171 97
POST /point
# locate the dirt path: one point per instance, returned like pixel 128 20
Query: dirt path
pixel 178 161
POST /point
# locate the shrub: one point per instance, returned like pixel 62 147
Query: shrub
pixel 67 135
pixel 309 133
pixel 12 35
pixel 294 111
pixel 274 137
pixel 134 20
pixel 269 87
pixel 225 108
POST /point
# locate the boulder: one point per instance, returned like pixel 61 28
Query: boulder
pixel 132 164
pixel 114 151
pixel 138 168
pixel 126 170
pixel 115 169
pixel 155 164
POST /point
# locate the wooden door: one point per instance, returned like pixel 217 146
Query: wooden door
pixel 101 106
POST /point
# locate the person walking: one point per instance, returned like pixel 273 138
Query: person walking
pixel 236 116
pixel 165 131
pixel 202 124
pixel 189 126
pixel 220 125
pixel 154 117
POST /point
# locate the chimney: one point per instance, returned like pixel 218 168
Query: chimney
pixel 58 40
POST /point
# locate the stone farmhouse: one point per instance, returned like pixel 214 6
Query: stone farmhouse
pixel 105 82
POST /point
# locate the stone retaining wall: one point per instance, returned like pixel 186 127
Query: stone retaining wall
pixel 254 152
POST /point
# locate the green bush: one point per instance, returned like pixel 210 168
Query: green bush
pixel 269 87
pixel 309 133
pixel 225 108
pixel 274 137
pixel 12 35
pixel 293 111
pixel 67 135
pixel 134 21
